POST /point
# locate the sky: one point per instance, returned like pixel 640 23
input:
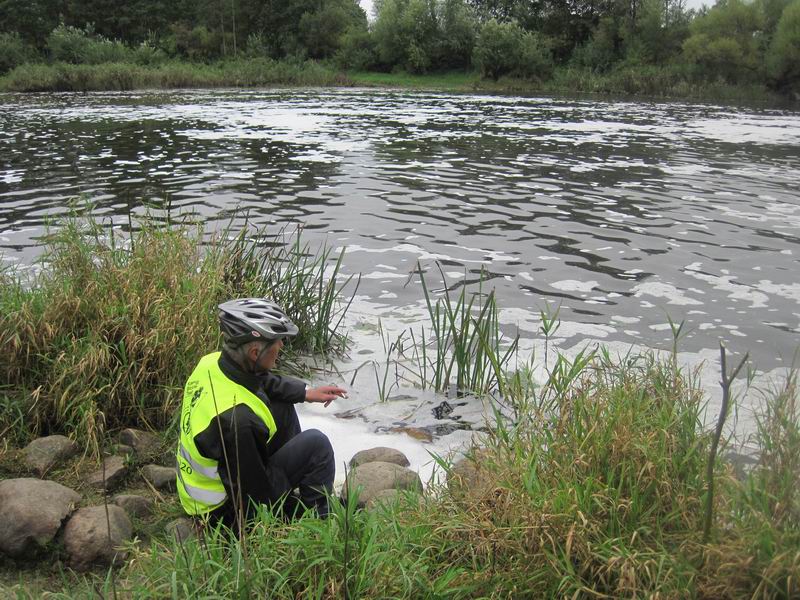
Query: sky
pixel 367 5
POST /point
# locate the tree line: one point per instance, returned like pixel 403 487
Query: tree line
pixel 734 42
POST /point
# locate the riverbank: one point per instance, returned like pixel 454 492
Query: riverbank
pixel 594 483
pixel 646 81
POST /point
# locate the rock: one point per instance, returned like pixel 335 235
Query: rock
pixel 31 514
pixel 467 472
pixel 382 497
pixel 379 454
pixel 417 433
pixel 89 540
pixel 161 478
pixel 123 450
pixel 108 477
pixel 373 477
pixel 146 445
pixel 138 506
pixel 182 528
pixel 44 453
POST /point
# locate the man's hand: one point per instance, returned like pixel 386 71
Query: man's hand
pixel 325 393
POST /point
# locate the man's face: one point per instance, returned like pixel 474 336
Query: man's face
pixel 269 357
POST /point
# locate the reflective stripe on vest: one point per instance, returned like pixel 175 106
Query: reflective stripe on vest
pixel 208 393
pixel 201 495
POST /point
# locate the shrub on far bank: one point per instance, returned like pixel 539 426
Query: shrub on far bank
pixel 507 49
pixel 82 46
pixel 14 52
pixel 64 77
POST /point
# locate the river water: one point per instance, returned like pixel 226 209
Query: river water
pixel 621 213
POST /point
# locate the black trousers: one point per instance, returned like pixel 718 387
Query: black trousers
pixel 301 460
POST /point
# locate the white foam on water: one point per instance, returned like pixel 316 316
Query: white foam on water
pixel 659 289
pixel 573 285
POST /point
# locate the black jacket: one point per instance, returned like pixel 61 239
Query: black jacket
pixel 237 438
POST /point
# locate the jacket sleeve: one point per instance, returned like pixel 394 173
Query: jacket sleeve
pixel 242 456
pixel 280 388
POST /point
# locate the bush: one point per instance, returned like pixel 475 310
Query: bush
pixel 506 49
pixel 79 46
pixel 147 54
pixel 14 52
pixel 198 43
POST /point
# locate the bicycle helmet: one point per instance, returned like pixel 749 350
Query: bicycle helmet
pixel 249 319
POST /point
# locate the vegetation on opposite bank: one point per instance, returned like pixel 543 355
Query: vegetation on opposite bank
pixel 594 485
pixel 734 50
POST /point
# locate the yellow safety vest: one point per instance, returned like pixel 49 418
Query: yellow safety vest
pixel 208 393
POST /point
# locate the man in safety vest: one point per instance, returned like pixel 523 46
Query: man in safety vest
pixel 240 438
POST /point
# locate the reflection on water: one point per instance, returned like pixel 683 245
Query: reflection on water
pixel 621 212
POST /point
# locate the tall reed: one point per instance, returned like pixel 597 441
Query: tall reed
pixel 464 346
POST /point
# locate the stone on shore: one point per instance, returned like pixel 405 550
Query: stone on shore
pixel 31 514
pixel 90 541
pixel 145 445
pixel 379 454
pixel 161 478
pixel 182 529
pixel 110 475
pixel 374 477
pixel 138 506
pixel 468 473
pixel 382 497
pixel 44 453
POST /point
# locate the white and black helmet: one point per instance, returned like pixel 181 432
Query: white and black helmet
pixel 248 319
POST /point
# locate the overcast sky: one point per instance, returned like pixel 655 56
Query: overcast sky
pixel 367 5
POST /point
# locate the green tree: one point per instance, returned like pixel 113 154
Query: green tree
pixel 725 42
pixel 783 61
pixel 33 20
pixel 321 31
pixel 14 52
pixel 407 34
pixel 458 25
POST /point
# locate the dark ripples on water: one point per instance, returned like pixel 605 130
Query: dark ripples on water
pixel 622 212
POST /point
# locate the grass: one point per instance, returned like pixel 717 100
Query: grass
pixel 102 337
pixel 595 489
pixel 64 77
pixel 633 80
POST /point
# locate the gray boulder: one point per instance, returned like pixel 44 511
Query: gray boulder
pixel 146 445
pixel 31 514
pixel 182 529
pixel 123 450
pixel 110 475
pixel 383 497
pixel 161 478
pixel 380 454
pixel 471 472
pixel 374 477
pixel 138 506
pixel 89 540
pixel 44 453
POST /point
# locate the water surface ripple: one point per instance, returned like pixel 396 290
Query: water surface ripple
pixel 622 212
